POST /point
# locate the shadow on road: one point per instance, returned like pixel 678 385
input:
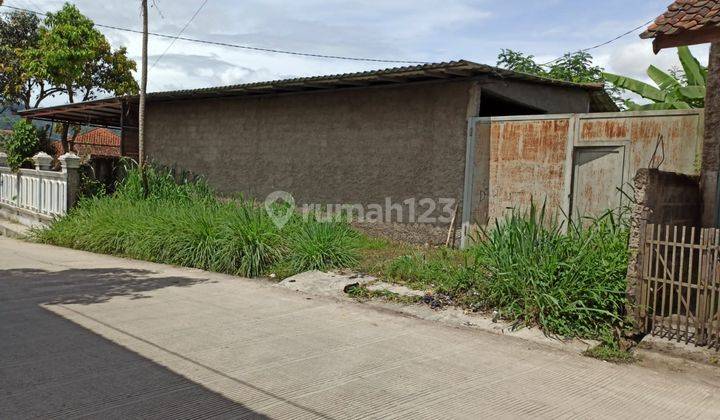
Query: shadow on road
pixel 85 286
pixel 53 368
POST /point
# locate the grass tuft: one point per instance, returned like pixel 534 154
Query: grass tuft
pixel 610 352
pixel 322 246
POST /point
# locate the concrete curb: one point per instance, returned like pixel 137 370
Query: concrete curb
pixel 12 229
pixel 331 285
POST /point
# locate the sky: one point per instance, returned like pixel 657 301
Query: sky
pixel 415 30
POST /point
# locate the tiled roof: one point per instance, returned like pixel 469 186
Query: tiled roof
pixel 683 16
pixel 98 142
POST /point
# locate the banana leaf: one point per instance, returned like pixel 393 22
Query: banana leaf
pixel 693 92
pixel 641 88
pixel 693 69
pixel 632 106
pixel 664 80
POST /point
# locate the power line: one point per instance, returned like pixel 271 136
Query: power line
pixel 295 53
pixel 155 5
pixel 602 44
pixel 179 33
pixel 244 47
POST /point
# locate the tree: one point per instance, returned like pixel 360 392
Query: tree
pixel 19 33
pixel 520 62
pixel 674 90
pixel 73 56
pixel 574 67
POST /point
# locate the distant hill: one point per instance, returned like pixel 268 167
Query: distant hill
pixel 7 119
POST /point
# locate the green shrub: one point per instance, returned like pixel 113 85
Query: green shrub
pixel 164 184
pixel 570 284
pixel 22 144
pixel 89 185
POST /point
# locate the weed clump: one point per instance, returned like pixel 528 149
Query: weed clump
pixel 532 271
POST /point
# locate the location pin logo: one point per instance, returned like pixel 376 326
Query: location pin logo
pixel 280 214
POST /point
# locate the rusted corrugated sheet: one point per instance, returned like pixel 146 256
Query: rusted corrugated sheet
pixel 528 156
pixel 676 137
pixel 527 162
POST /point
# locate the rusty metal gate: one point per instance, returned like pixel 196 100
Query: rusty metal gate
pixel 678 292
pixel 575 163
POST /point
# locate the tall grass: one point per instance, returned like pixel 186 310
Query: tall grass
pixel 572 284
pixel 322 245
pixel 182 223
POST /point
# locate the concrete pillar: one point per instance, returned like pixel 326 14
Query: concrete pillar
pixel 711 141
pixel 3 159
pixel 42 161
pixel 70 163
pixel 641 213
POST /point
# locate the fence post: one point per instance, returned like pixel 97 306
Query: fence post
pixel 42 163
pixel 70 163
pixel 3 163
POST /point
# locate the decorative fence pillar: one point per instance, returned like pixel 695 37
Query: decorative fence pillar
pixel 42 161
pixel 39 194
pixel 70 163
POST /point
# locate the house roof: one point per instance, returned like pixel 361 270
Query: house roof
pixel 98 142
pixel 686 22
pixel 108 111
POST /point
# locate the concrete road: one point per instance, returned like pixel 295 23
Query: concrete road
pixel 84 335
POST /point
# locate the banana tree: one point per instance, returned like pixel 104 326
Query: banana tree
pixel 670 93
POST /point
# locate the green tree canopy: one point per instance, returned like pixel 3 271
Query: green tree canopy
pixel 571 67
pixel 576 67
pixel 74 56
pixel 63 54
pixel 19 33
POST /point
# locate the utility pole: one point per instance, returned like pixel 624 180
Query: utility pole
pixel 141 106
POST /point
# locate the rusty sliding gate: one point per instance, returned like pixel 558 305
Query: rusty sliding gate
pixel 678 292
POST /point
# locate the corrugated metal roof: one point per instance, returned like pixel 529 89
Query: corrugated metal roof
pixel 107 111
pixel 445 70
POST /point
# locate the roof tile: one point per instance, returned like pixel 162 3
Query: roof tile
pixel 98 142
pixel 685 15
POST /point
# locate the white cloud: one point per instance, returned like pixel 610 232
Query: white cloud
pixel 633 59
pixel 425 30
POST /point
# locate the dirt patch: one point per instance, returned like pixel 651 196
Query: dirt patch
pixel 413 233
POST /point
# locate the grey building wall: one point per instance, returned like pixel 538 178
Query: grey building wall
pixel 551 99
pixel 344 146
pixel 349 146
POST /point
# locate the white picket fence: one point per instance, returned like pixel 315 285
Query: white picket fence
pixel 40 191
